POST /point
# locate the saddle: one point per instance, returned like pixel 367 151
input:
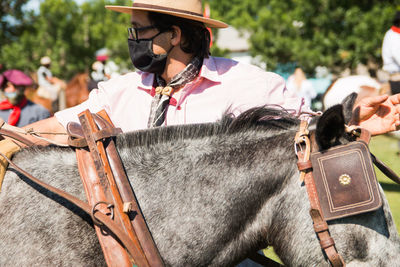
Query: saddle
pixel 109 192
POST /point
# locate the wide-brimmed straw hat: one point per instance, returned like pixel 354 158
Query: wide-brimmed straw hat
pixel 188 9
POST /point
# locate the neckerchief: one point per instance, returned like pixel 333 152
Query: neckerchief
pixel 159 105
pixel 395 29
pixel 16 110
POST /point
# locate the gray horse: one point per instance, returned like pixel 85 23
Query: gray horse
pixel 211 194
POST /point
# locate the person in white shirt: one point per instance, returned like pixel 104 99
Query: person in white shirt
pixel 50 87
pixel 391 54
pixel 298 84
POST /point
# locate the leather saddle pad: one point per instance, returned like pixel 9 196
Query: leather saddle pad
pixel 345 180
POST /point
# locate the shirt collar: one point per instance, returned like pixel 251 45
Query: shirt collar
pixel 147 80
pixel 395 29
pixel 209 70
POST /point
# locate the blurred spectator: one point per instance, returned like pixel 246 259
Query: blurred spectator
pixel 15 109
pixel 110 68
pixel 97 75
pixel 50 87
pixel 298 83
pixel 391 54
pixel 342 87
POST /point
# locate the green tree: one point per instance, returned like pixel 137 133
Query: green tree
pixel 69 34
pixel 11 20
pixel 105 28
pixel 333 33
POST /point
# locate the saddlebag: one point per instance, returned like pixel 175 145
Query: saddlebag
pixel 345 180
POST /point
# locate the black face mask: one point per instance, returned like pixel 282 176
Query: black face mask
pixel 143 57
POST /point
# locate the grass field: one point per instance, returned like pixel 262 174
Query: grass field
pixel 386 149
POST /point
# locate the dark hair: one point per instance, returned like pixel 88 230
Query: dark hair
pixel 396 21
pixel 3 85
pixel 196 37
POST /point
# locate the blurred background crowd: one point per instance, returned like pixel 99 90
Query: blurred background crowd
pixel 319 46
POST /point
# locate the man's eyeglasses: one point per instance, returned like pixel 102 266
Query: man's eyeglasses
pixel 133 32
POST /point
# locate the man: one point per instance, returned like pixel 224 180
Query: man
pixel 180 83
pixel 50 87
pixel 301 86
pixel 391 54
pixel 15 109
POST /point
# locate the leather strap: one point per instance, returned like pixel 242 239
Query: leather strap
pixel 103 169
pixel 128 197
pixel 98 136
pixel 320 225
pixel 303 150
pixel 385 169
pixel 16 137
pixel 359 133
pixel 114 253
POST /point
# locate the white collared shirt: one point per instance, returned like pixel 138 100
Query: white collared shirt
pixel 222 85
pixel 391 52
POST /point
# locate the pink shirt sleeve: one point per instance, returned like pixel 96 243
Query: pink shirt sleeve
pixel 97 101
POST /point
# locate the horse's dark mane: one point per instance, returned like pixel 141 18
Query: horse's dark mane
pixel 260 118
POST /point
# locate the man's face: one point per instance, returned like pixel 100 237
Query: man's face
pixel 161 43
pixel 13 93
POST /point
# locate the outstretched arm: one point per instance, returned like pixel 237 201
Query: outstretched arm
pixel 378 114
pixel 50 125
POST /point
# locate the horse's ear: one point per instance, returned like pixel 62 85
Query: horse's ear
pixel 330 127
pixel 348 104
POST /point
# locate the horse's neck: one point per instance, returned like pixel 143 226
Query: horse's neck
pixel 219 186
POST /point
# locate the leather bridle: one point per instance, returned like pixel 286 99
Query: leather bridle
pixel 303 148
pixel 303 151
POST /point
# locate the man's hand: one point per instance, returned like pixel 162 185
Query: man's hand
pixel 378 114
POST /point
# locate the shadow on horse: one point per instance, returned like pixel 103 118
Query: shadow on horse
pixel 211 194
